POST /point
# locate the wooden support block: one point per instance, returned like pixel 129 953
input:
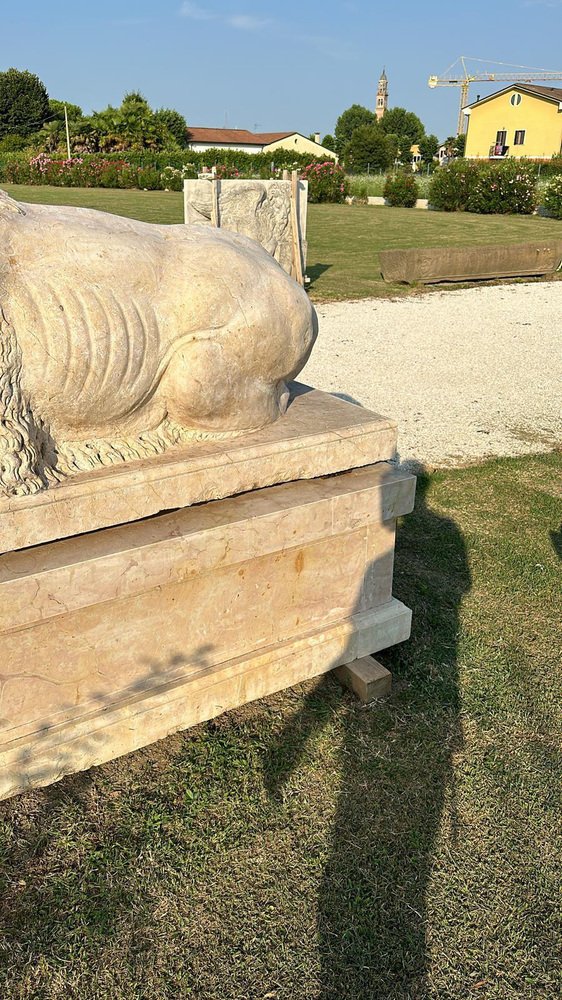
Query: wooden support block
pixel 366 677
pixel 297 252
pixel 215 212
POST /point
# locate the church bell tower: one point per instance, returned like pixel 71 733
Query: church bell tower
pixel 382 96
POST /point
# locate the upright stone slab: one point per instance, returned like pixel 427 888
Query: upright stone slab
pixel 260 209
pixel 151 621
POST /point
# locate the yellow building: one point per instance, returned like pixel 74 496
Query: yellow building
pixel 296 142
pixel 521 121
pixel 416 156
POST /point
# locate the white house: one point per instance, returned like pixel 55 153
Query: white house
pixel 200 139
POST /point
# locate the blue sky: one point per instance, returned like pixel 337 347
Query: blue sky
pixel 271 67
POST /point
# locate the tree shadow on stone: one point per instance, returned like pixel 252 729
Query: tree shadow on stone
pixel 396 773
pixel 54 756
pixel 40 913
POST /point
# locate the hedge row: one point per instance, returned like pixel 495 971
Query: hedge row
pixel 327 180
pixel 509 187
pixel 92 171
pixel 20 165
pixel 552 197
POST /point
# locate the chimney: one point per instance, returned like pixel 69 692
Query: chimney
pixel 317 137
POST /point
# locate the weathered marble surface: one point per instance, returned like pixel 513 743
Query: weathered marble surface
pixel 436 264
pixel 114 639
pixel 318 435
pixel 260 209
pixel 119 338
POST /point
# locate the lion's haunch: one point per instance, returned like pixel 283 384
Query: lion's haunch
pixel 118 338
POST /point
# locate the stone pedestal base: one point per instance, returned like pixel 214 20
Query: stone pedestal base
pixel 116 638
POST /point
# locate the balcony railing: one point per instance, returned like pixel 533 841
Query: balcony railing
pixel 498 152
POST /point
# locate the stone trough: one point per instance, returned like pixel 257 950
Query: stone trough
pixel 432 265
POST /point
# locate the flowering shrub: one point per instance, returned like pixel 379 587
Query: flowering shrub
pixel 401 191
pixel 90 169
pixel 451 186
pixel 326 182
pixel 507 188
pixel 552 197
pixel 225 172
pixel 172 178
pixel 74 172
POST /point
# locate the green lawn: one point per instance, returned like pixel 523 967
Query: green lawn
pixel 344 240
pixel 149 206
pixel 310 847
pixel 368 185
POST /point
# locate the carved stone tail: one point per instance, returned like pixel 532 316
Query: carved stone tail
pixel 21 459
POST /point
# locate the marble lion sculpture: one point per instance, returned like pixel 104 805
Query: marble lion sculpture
pixel 119 338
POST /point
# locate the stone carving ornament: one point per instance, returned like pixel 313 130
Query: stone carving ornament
pixel 119 338
pixel 258 209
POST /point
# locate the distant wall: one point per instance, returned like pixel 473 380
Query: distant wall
pixel 300 144
pixel 202 147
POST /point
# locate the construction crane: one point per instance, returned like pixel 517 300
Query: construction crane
pixel 462 77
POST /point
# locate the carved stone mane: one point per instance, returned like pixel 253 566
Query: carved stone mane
pixel 119 338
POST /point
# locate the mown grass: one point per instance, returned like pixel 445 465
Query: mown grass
pixel 343 241
pixel 148 206
pixel 308 846
pixel 371 185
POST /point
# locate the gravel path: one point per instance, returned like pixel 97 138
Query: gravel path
pixel 467 374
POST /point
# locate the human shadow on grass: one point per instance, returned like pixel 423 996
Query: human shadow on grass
pixel 556 539
pixel 396 775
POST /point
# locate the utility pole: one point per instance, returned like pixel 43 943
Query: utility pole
pixel 67 133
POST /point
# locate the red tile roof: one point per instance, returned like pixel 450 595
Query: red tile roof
pixel 223 136
pixel 267 137
pixel 220 136
pixel 551 93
